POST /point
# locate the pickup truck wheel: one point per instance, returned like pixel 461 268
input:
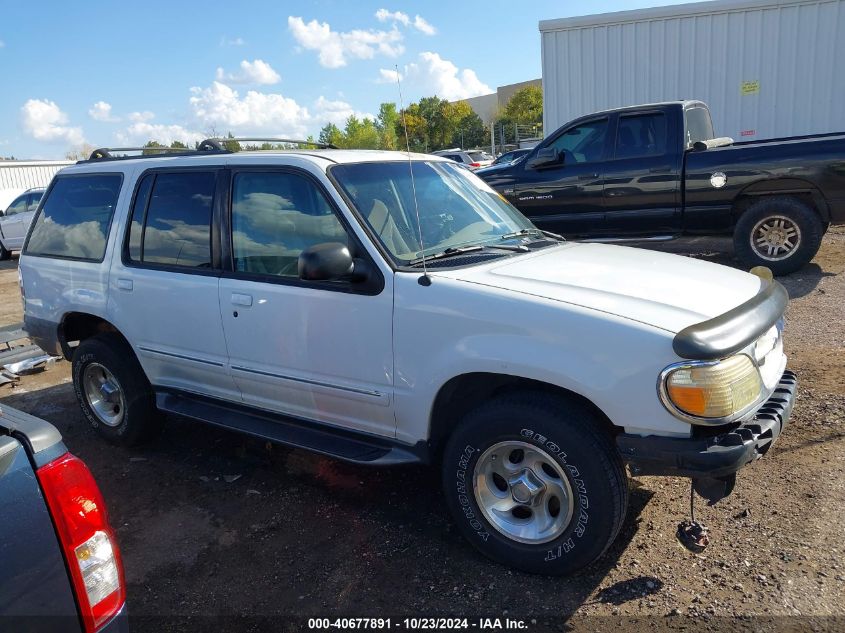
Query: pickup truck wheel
pixel 534 482
pixel 4 254
pixel 782 233
pixel 113 391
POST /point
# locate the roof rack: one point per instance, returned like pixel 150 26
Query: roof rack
pixel 218 142
pixel 209 145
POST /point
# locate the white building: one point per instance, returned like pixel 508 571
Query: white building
pixel 16 176
pixel 767 68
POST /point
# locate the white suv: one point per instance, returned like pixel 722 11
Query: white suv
pixel 386 309
pixel 16 219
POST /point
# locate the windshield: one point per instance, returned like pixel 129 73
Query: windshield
pixel 456 208
pixel 477 156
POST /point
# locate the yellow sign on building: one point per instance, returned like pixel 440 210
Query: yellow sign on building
pixel 750 87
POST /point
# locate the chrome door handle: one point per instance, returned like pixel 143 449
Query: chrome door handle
pixel 125 284
pixel 241 300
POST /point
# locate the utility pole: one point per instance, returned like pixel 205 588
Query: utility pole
pixel 493 138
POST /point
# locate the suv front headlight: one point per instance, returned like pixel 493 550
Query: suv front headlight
pixel 713 390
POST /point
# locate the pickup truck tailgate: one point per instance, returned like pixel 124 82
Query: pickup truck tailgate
pixel 34 580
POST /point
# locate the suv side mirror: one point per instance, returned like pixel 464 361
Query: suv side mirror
pixel 546 157
pixel 323 262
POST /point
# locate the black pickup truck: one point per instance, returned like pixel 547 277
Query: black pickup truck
pixel 658 172
pixel 60 568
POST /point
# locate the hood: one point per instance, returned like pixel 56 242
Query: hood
pixel 666 291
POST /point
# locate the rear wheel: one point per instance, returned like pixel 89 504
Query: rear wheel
pixel 782 233
pixel 4 254
pixel 113 390
pixel 534 482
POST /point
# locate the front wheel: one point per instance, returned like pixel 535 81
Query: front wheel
pixel 534 482
pixel 781 233
pixel 4 253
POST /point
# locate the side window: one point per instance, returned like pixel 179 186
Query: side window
pixel 18 206
pixel 583 143
pixel 32 201
pixel 75 218
pixel 641 135
pixel 275 216
pixel 171 220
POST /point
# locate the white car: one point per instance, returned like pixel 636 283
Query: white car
pixel 386 309
pixel 471 159
pixel 16 219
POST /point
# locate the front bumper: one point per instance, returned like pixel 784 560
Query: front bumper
pixel 713 461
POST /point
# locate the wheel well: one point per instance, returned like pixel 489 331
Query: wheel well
pixel 463 393
pixel 78 326
pixel 787 188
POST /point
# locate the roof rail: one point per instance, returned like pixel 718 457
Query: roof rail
pixel 106 153
pixel 218 142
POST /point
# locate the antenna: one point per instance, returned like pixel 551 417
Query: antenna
pixel 425 280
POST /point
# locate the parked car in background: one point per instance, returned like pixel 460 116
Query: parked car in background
pixel 15 221
pixel 60 567
pixel 657 171
pixel 425 320
pixel 509 157
pixel 473 158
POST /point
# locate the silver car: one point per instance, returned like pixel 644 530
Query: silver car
pixel 472 159
pixel 15 221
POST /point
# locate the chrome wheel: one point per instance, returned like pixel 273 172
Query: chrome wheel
pixel 104 395
pixel 523 492
pixel 775 237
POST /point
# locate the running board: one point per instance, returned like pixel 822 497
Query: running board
pixel 349 446
pixel 653 238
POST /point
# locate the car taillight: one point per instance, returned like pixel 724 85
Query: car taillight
pixel 475 164
pixel 87 539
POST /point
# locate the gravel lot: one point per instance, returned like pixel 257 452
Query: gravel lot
pixel 212 523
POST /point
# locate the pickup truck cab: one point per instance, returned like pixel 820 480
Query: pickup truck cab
pixel 387 308
pixel 657 172
pixel 60 567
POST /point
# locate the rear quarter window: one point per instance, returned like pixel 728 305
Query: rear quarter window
pixel 75 218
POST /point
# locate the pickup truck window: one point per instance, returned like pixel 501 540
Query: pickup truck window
pixel 75 218
pixel 276 216
pixel 641 135
pixel 177 223
pixel 583 143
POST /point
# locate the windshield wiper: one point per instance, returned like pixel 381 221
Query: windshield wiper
pixel 520 233
pixel 449 252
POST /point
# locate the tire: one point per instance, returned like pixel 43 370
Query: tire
pixel 128 416
pixel 4 254
pixel 786 217
pixel 578 451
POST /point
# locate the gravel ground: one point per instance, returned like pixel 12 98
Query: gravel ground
pixel 215 524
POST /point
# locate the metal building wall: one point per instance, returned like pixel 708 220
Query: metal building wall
pixel 26 174
pixel 767 68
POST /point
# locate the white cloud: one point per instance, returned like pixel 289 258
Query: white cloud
pixel 419 22
pixel 140 117
pixel 423 26
pixel 433 74
pixel 101 111
pixel 327 111
pixel 43 120
pixel 387 76
pixel 232 41
pixel 221 107
pixel 255 72
pixel 335 48
pixel 140 132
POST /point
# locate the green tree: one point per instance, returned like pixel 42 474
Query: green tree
pixel 386 124
pixel 232 146
pixel 152 144
pixel 525 107
pixel 178 145
pixel 360 134
pixel 330 134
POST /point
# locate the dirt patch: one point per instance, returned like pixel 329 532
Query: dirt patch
pixel 298 534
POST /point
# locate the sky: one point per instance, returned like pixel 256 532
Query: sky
pixel 116 74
